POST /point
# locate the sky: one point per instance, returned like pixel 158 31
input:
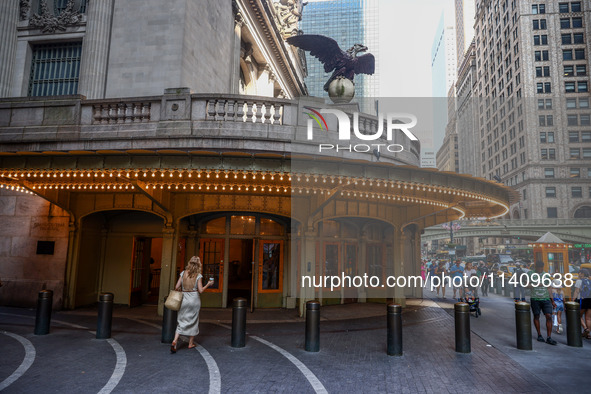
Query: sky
pixel 407 31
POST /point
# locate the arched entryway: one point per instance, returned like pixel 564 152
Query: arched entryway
pixel 246 254
pixel 583 212
pixel 119 252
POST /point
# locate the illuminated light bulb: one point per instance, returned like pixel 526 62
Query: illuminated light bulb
pixel 235 176
pixel 153 174
pixel 61 175
pixel 41 175
pixel 226 176
pixel 192 187
pixel 171 174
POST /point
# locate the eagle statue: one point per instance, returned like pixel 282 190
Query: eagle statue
pixel 344 64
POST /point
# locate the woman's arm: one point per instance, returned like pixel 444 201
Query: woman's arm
pixel 200 286
pixel 179 283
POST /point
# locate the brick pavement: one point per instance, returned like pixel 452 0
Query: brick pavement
pixel 352 356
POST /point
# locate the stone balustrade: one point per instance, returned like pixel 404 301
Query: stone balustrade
pixel 244 110
pixel 121 112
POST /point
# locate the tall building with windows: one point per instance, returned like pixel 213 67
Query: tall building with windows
pixel 348 22
pixel 532 92
pixel 464 12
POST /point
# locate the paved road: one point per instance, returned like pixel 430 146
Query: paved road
pixel 352 356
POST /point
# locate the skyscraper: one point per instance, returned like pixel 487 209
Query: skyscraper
pixel 348 22
pixel 532 92
pixel 465 11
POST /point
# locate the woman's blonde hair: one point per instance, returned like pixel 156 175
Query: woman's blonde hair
pixel 193 267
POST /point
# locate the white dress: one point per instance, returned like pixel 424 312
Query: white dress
pixel 188 315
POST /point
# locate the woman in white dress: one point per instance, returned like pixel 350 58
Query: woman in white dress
pixel 188 316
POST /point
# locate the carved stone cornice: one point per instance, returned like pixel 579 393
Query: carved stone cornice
pixel 49 23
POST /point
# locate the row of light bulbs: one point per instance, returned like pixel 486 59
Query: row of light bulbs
pixel 236 174
pixel 15 188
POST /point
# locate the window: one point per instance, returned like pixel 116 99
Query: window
pixel 548 172
pixel 569 71
pixel 575 172
pixel 567 54
pixel 541 39
pixel 550 137
pixel 545 87
pixel 586 153
pixel 550 192
pixel 539 24
pixel 575 153
pixel 543 137
pixel 573 136
pixel 576 192
pixel 55 69
pixel 571 103
pixel 582 86
pixel 543 71
pixel 575 6
pixel 573 120
pixel 552 212
pixel 564 23
pixel 569 87
pixel 566 39
pixel 578 38
pixel 548 154
pixel 584 102
pixel 585 120
pixel 581 70
pixel 563 8
pixel 577 22
pixel 580 54
pixel 586 136
pixel 541 56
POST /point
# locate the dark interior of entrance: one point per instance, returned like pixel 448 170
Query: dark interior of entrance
pixel 240 269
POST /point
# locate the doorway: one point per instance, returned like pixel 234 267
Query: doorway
pixel 240 269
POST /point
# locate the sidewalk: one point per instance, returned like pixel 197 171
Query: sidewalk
pixel 352 356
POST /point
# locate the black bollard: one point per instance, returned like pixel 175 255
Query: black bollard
pixel 312 326
pixel 168 324
pixel 462 320
pixel 394 330
pixel 105 316
pixel 43 317
pixel 523 326
pixel 239 322
pixel 499 285
pixel 573 324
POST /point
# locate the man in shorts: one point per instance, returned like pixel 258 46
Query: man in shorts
pixel 541 301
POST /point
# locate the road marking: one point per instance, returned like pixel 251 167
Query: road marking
pixel 119 367
pixel 316 385
pixel 215 379
pixel 25 365
pixel 119 352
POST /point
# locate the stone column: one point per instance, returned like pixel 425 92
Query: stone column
pixel 9 14
pixel 168 269
pixel 235 74
pixel 72 265
pixel 95 49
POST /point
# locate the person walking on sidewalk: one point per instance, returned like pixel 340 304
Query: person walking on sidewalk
pixel 484 275
pixel 188 317
pixel 558 296
pixel 541 301
pixel 441 271
pixel 455 271
pixel 583 297
pixel 519 291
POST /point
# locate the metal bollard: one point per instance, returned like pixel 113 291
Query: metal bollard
pixel 462 320
pixel 239 322
pixel 523 326
pixel 573 324
pixel 312 326
pixel 394 329
pixel 499 286
pixel 168 324
pixel 105 316
pixel 43 316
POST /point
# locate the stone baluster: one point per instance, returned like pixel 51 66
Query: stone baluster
pixel 96 114
pixel 249 114
pixel 146 112
pixel 259 113
pixel 105 113
pixel 211 109
pixel 267 114
pixel 230 114
pixel 121 112
pixel 221 109
pixel 9 11
pixel 112 113
pixel 240 111
pixel 277 109
pixel 129 112
pixel 95 51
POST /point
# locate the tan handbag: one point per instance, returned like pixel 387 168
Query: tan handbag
pixel 174 300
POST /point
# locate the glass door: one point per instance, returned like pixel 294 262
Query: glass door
pixel 212 258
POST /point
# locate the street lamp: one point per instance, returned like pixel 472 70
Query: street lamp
pixel 451 226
